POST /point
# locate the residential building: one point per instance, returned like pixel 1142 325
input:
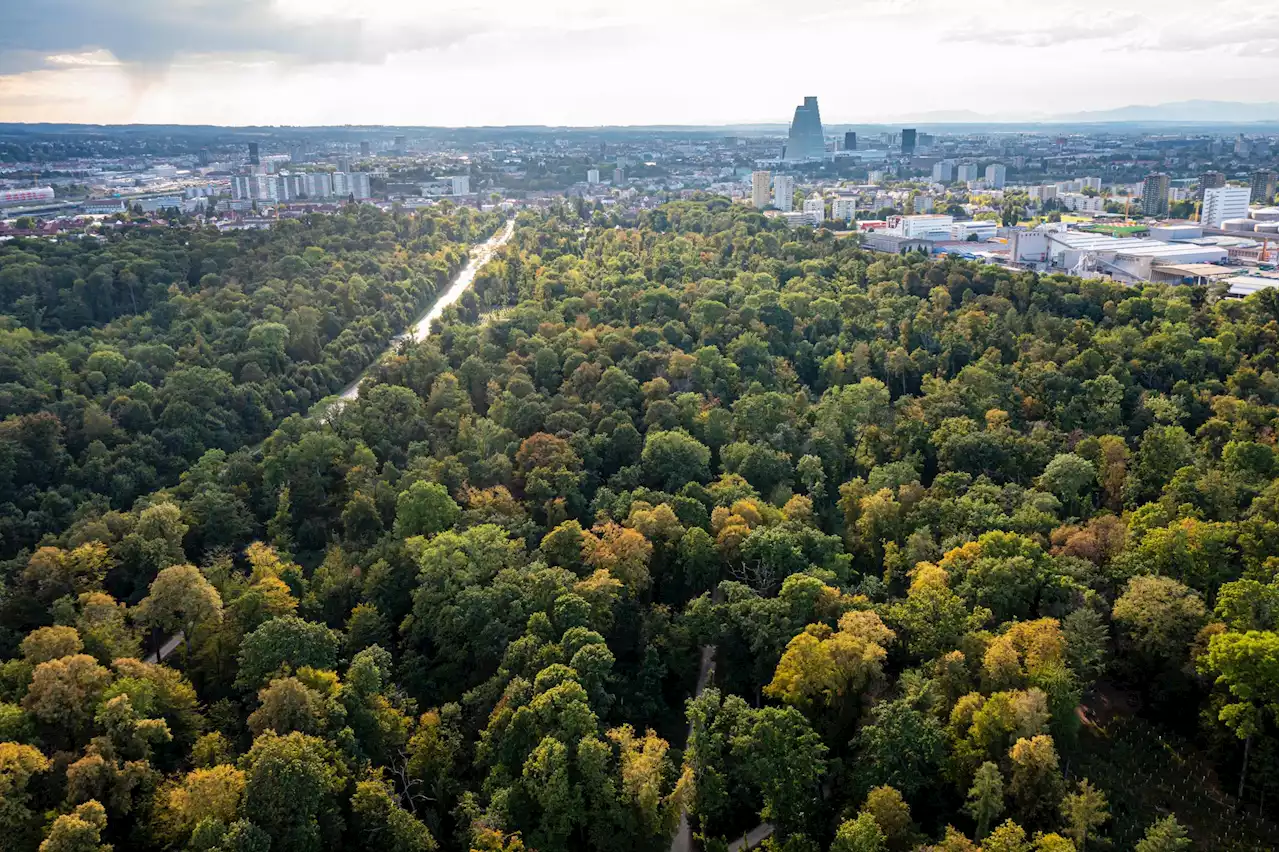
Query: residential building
pixel 317 185
pixel 1094 183
pixel 995 176
pixel 815 208
pixel 875 176
pixel 593 176
pixel 908 141
pixel 242 187
pixel 1078 202
pixel 1043 193
pixel 460 184
pixel 850 141
pixel 805 140
pixel 1155 194
pixel 619 176
pixel 398 145
pixel 352 184
pixel 922 204
pixel 1263 185
pixel 365 149
pixel 254 158
pixel 1222 203
pixel 966 172
pixel 760 181
pixel 1211 180
pixel 942 171
pixel 844 208
pixel 784 189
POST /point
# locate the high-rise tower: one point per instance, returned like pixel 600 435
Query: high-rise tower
pixel 1155 194
pixel 805 141
pixel 908 141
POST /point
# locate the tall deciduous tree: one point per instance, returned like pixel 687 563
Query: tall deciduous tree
pixel 181 599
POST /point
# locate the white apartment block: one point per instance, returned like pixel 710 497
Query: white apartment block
pixel 1223 203
pixel 995 176
pixel 1042 193
pixel 844 209
pixel 760 189
pixel 784 190
pixel 815 208
pixel 966 172
pixel 1078 202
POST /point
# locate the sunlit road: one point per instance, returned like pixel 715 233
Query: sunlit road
pixel 480 255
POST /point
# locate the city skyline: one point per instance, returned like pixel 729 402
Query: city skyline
pixel 193 63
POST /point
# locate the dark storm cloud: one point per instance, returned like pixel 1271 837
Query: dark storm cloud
pixel 150 33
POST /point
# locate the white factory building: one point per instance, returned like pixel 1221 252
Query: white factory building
pixel 973 228
pixel 930 227
pixel 1125 259
pixel 29 195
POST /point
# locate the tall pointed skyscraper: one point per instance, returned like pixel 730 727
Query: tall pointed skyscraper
pixel 805 141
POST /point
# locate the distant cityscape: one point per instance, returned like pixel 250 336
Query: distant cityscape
pixel 1131 204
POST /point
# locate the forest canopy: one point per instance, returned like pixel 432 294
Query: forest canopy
pixel 124 359
pixel 684 520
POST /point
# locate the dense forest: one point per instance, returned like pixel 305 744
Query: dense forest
pixel 689 521
pixel 123 360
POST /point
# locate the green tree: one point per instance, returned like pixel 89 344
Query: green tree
pixel 79 831
pixel 291 785
pixel 891 813
pixel 1166 835
pixel 18 765
pixel 986 798
pixel 785 760
pixel 64 694
pixel 903 747
pixel 1245 665
pixel 1008 837
pixel 859 835
pixel 1071 479
pixel 1035 785
pixel 288 642
pixel 380 821
pixel 425 508
pixel 1084 810
pixel 1158 617
pixel 670 459
pixel 181 599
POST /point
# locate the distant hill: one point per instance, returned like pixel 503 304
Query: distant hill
pixel 1196 111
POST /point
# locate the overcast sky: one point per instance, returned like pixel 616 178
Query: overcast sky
pixel 590 62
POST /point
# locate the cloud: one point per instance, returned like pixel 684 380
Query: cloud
pixel 1252 36
pixel 149 34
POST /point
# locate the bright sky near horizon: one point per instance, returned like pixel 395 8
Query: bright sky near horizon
pixel 592 62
